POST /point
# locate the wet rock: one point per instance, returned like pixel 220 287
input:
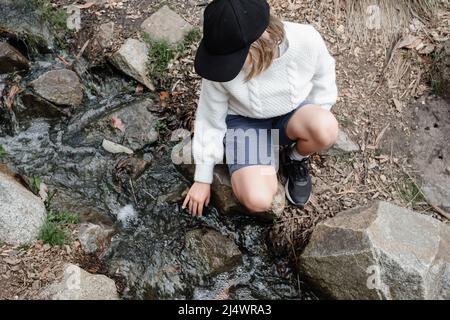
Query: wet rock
pixel 440 75
pixel 212 252
pixel 343 145
pixel 94 238
pixel 138 126
pixel 77 284
pixel 166 25
pixel 22 20
pixel 22 214
pixel 222 192
pixel 131 59
pixel 11 59
pixel 379 252
pixel 34 106
pixel 61 87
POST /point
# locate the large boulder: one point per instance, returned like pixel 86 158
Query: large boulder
pixel 132 59
pixel 166 25
pixel 22 214
pixel 61 87
pixel 440 75
pixel 222 193
pixel 11 59
pixel 379 252
pixel 213 252
pixel 77 284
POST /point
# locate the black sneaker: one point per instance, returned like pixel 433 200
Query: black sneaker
pixel 298 185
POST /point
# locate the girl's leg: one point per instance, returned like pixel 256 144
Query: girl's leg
pixel 255 187
pixel 314 128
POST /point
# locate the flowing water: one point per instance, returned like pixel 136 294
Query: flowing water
pixel 140 194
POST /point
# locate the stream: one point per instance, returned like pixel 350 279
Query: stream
pixel 155 248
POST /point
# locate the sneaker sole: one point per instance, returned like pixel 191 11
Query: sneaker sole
pixel 286 191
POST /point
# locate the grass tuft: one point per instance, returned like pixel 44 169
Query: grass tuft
pixel 55 230
pixel 2 152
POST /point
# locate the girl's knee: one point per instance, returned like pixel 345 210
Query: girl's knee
pixel 324 130
pixel 258 201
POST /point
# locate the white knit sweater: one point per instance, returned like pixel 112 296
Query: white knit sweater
pixel 305 71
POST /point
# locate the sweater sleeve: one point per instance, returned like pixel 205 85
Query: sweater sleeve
pixel 324 91
pixel 209 129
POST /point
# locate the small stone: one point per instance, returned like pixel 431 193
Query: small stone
pixel 105 34
pixel 167 25
pixel 447 170
pixel 94 237
pixel 132 59
pixel 62 87
pixel 343 145
pixel 11 59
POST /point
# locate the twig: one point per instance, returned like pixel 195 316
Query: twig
pixel 439 210
pixel 82 49
pixel 132 191
pixel 149 194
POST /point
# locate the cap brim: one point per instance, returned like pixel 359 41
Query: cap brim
pixel 219 68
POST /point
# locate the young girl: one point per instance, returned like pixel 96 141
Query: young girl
pixel 263 80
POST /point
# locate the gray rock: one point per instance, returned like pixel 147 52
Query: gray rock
pixel 94 238
pixel 223 197
pixel 132 59
pixel 166 25
pixel 379 252
pixel 61 87
pixel 139 126
pixel 343 145
pixel 11 59
pixel 105 34
pixel 25 22
pixel 77 284
pixel 22 214
pixel 213 252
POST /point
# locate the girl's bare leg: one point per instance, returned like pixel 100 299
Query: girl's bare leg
pixel 255 187
pixel 314 128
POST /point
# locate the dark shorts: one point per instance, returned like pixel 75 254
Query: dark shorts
pixel 250 142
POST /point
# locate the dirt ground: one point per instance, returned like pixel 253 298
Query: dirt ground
pixel 378 83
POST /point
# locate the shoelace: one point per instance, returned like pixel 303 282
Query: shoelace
pixel 299 169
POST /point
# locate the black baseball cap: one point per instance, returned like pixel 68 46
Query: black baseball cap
pixel 229 29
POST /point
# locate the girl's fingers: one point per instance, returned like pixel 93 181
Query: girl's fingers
pixel 191 205
pixel 194 209
pixel 207 201
pixel 186 201
pixel 200 209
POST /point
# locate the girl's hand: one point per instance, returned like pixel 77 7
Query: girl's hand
pixel 197 197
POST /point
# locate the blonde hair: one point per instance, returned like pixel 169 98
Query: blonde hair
pixel 263 51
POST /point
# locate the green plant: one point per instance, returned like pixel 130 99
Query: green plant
pixel 409 190
pixel 57 18
pixel 63 217
pixel 2 152
pixel 54 231
pixel 53 234
pixel 161 53
pixel 161 127
pixel 34 184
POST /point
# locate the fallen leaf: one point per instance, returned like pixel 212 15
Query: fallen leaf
pixel 9 99
pixel 118 124
pixel 163 95
pixel 409 41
